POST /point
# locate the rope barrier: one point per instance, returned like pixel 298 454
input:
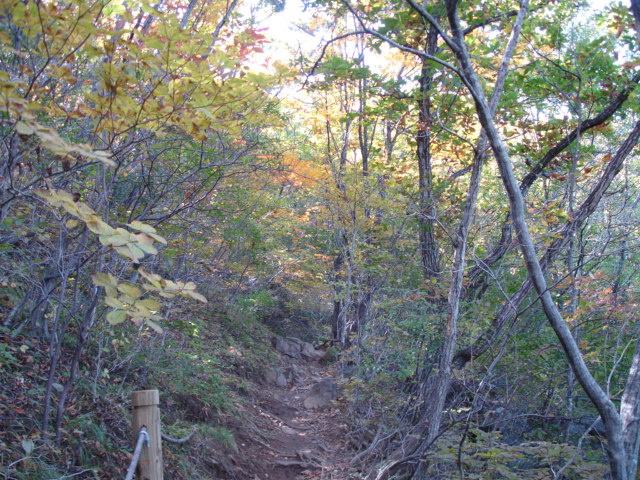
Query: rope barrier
pixel 143 438
pixel 178 440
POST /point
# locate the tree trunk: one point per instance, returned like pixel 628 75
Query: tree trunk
pixel 630 414
pixel 336 328
pixel 439 386
pixel 599 398
pixel 88 319
pixel 426 208
pixel 478 274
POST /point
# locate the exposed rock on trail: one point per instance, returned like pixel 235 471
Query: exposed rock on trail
pixel 296 348
pixel 300 434
pixel 321 394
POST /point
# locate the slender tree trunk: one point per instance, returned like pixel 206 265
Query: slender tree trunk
pixel 429 253
pixel 618 284
pixel 366 134
pixel 440 385
pixel 599 398
pixel 478 274
pixel 426 209
pixel 439 388
pixel 630 415
pixel 58 330
pixel 337 292
pixel 187 13
pixel 571 256
pixel 88 320
pixel 635 9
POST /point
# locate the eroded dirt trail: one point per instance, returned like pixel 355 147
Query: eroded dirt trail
pixel 296 440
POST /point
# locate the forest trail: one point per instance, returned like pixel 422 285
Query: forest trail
pixel 294 441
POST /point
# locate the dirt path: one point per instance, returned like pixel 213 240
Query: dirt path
pixel 297 442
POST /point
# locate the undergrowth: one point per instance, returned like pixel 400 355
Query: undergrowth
pixel 204 363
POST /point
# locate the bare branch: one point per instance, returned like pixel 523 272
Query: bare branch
pixel 399 46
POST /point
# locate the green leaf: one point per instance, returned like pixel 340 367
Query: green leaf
pixel 104 279
pixel 130 291
pixel 149 304
pixel 24 129
pixel 116 317
pixel 195 296
pixel 113 302
pixel 153 325
pixel 114 240
pixel 27 446
pixel 141 227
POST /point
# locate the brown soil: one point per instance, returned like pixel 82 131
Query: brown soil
pixel 288 441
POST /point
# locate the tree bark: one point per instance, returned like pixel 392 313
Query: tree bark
pixel 426 208
pixel 630 414
pixel 509 309
pixel 478 276
pixel 599 398
pixel 440 385
pixel 635 9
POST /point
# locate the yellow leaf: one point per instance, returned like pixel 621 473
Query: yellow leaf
pixel 195 296
pixel 143 239
pixel 130 290
pixel 113 302
pixel 116 316
pixel 142 227
pixel 149 304
pixel 153 278
pixel 171 286
pixel 130 251
pixel 157 238
pixel 110 291
pixel 24 129
pixel 136 251
pixel 113 240
pixel 98 226
pixel 104 279
pixel 141 311
pixel 153 325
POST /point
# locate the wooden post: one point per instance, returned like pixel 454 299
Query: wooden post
pixel 146 413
